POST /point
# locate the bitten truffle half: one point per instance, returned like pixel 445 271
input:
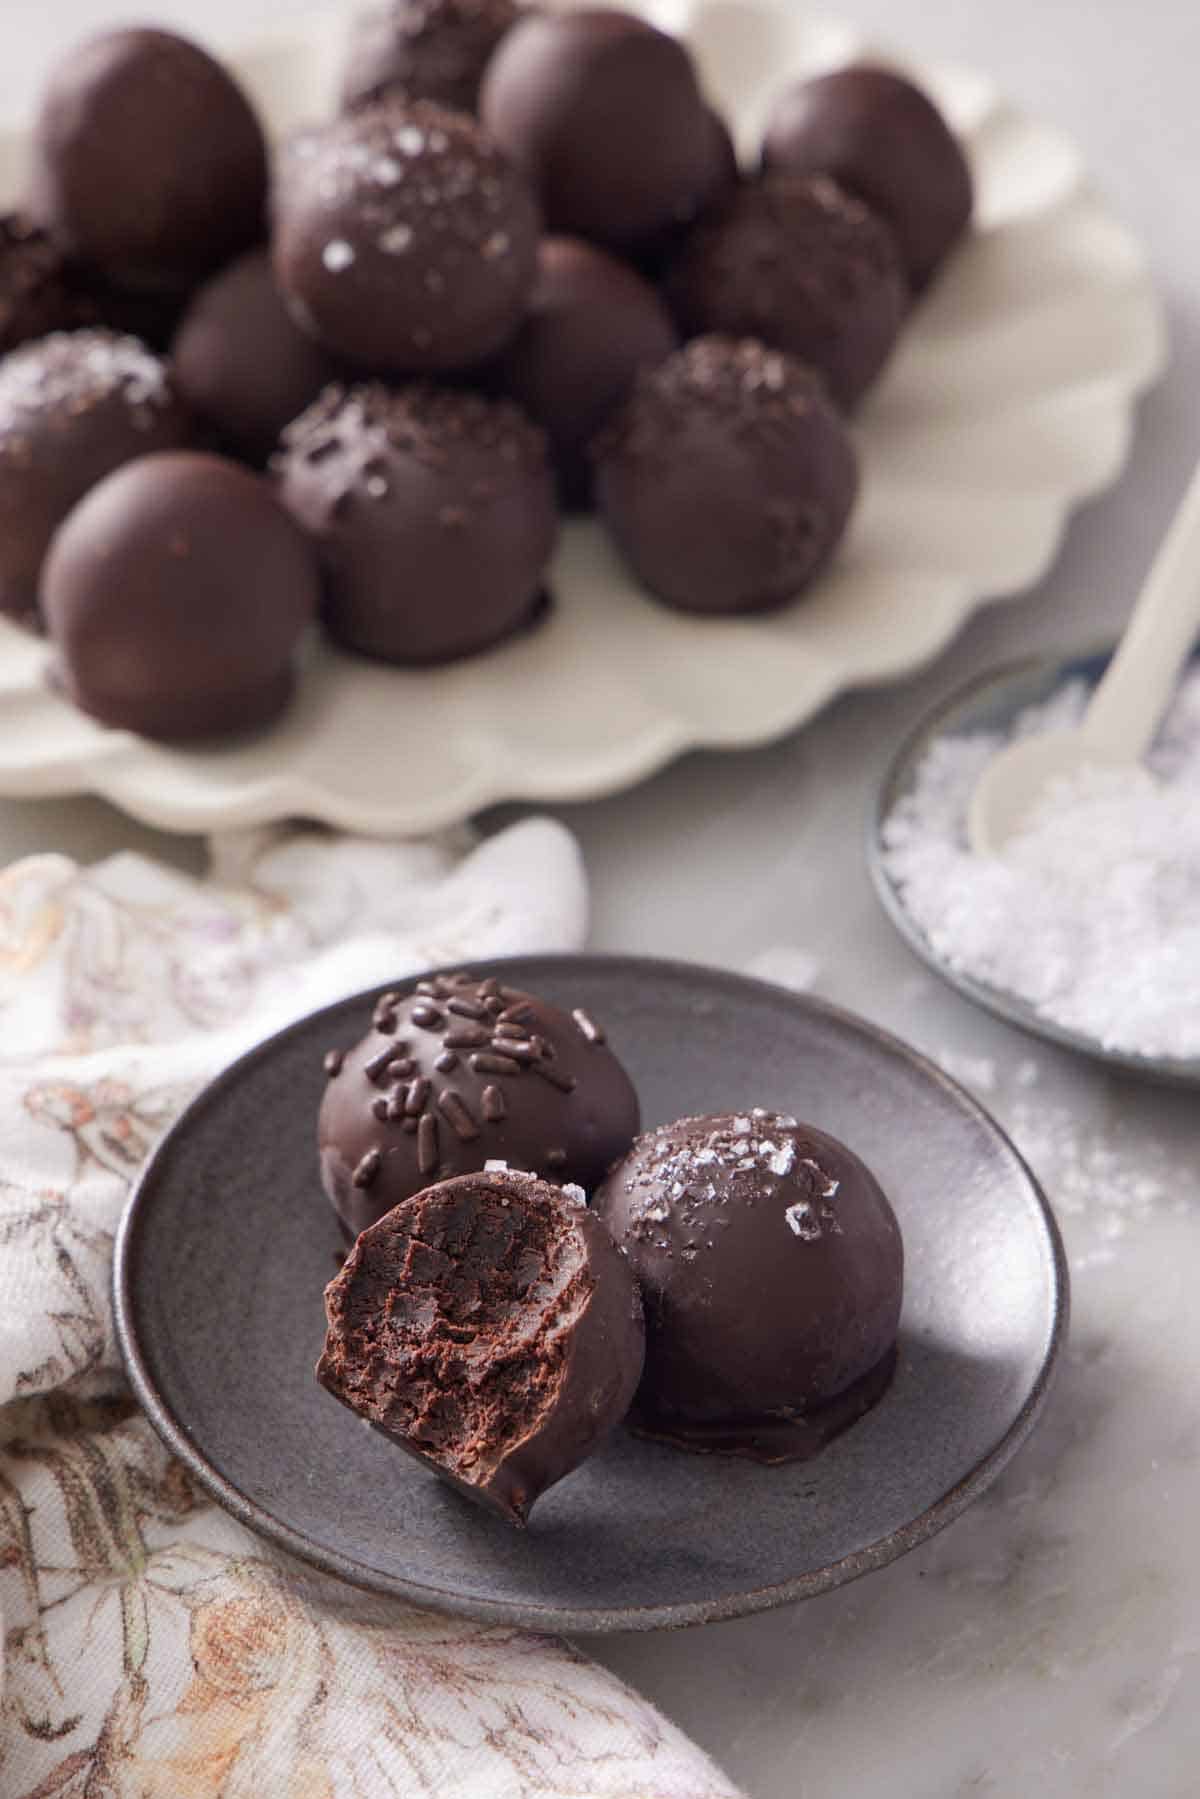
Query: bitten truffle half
pixel 488 1326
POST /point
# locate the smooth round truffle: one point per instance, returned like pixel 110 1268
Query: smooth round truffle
pixel 798 262
pixel 883 139
pixel 727 478
pixel 242 363
pixel 434 514
pixel 175 594
pixel 772 1271
pixel 424 50
pixel 490 1328
pixel 147 160
pixel 37 292
pixel 404 240
pixel 606 115
pixel 73 407
pixel 462 1072
pixel 592 324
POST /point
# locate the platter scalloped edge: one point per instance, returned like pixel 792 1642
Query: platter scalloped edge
pixel 1009 402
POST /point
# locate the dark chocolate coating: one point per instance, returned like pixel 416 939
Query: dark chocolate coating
pixel 772 1271
pixel 404 241
pixel 727 478
pixel 490 1328
pixel 242 363
pixel 37 292
pixel 423 50
pixel 434 514
pixel 73 407
pixel 559 1104
pixel 606 115
pixel 883 139
pixel 592 324
pixel 798 262
pixel 147 160
pixel 175 594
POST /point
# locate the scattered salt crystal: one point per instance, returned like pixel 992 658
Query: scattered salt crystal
pixel 496 1167
pixel 575 1193
pixel 396 240
pixel 337 256
pixel 409 140
pixel 741 1127
pixel 801 1221
pixel 782 1160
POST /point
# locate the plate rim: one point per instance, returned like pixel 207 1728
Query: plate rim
pixel 595 1620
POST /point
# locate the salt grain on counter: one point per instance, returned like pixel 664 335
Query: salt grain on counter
pixel 1092 916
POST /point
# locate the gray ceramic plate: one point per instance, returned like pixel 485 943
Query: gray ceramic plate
pixel 228 1242
pixel 992 702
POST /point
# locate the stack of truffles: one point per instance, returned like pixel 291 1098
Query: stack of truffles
pixel 527 1270
pixel 521 273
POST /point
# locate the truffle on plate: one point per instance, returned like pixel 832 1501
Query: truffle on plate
pixel 175 594
pixel 489 1327
pixel 460 1072
pixel 772 1271
pixel 73 407
pixel 405 241
pixel 727 478
pixel 148 161
pixel 881 137
pixel 434 514
pixel 423 50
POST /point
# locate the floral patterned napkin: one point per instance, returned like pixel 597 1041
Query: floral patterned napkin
pixel 153 1649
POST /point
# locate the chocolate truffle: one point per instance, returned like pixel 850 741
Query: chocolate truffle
pixel 147 160
pixel 424 50
pixel 175 594
pixel 434 514
pixel 772 1271
pixel 727 478
pixel 884 140
pixel 404 240
pixel 37 294
pixel 489 1327
pixel 592 323
pixel 461 1072
pixel 73 407
pixel 606 115
pixel 241 362
pixel 803 265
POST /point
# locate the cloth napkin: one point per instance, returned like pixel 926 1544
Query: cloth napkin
pixel 153 1649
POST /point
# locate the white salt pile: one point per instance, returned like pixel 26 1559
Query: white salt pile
pixel 1092 915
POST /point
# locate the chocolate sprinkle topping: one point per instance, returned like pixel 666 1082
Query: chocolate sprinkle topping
pixel 447 1062
pixel 368 1168
pixel 588 1025
pixel 493 1064
pixel 453 1108
pixel 376 1068
pixel 494 1107
pixel 467 1036
pixel 334 1061
pixel 428 1017
pixel 427 1144
pixel 417 1097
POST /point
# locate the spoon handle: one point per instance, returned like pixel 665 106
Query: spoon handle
pixel 1126 708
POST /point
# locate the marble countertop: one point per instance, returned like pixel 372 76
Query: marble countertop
pixel 1049 1641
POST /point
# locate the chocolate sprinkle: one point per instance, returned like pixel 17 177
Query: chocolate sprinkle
pixel 368 1168
pixel 447 1062
pixel 518 1047
pixel 428 1017
pixel 334 1061
pixel 467 1036
pixel 494 1107
pixel 588 1025
pixel 453 1108
pixel 467 1008
pixel 564 1082
pixel 410 1125
pixel 382 1108
pixel 427 1144
pixel 417 1097
pixel 493 1064
pixel 377 1066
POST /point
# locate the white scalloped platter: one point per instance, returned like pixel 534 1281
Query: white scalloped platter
pixel 1009 401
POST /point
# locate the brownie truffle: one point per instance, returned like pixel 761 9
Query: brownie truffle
pixel 423 50
pixel 148 161
pixel 592 324
pixel 772 1272
pixel 37 293
pixel 404 240
pixel 434 514
pixel 175 594
pixel 73 407
pixel 489 1327
pixel 798 262
pixel 461 1072
pixel 727 478
pixel 242 363
pixel 884 140
pixel 606 115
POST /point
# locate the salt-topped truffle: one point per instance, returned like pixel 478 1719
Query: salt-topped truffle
pixel 800 263
pixel 592 324
pixel 606 114
pixel 423 50
pixel 73 407
pixel 490 1328
pixel 405 241
pixel 148 161
pixel 772 1271
pixel 37 293
pixel 460 1072
pixel 882 138
pixel 242 363
pixel 175 595
pixel 434 514
pixel 727 478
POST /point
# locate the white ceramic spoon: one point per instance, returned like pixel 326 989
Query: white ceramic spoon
pixel 1124 712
